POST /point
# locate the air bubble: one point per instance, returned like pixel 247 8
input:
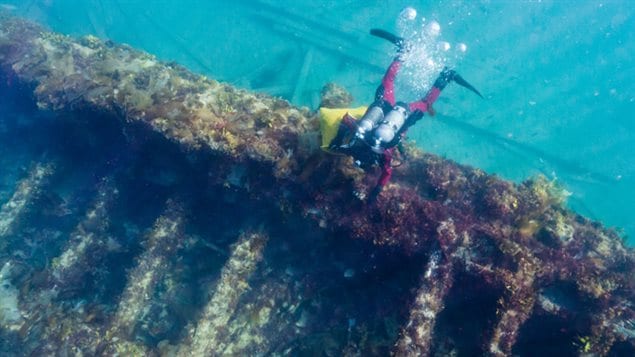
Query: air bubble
pixel 406 23
pixel 428 54
pixel 433 29
pixel 408 13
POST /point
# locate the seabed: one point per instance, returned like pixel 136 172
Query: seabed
pixel 147 210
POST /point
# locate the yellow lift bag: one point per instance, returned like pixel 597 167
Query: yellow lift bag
pixel 330 119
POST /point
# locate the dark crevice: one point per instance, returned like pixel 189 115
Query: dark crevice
pixel 548 238
pixel 544 334
pixel 468 318
pixel 548 333
pixel 565 294
pixel 622 349
pixel 488 250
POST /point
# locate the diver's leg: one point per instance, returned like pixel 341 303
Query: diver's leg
pixel 384 100
pixel 418 108
pixel 446 76
pixel 386 90
pixel 425 104
pixel 386 173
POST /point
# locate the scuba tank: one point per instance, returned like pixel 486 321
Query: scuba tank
pixel 373 115
pixel 391 125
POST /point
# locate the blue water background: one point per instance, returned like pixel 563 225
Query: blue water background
pixel 558 76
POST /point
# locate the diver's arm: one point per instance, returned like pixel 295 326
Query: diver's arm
pixel 386 173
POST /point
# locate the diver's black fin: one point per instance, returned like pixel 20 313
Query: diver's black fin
pixel 394 39
pixel 463 83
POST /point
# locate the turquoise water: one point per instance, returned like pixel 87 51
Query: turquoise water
pixel 557 76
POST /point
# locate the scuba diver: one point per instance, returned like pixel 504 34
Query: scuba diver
pixel 372 140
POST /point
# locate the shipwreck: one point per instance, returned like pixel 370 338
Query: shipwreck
pixel 148 210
